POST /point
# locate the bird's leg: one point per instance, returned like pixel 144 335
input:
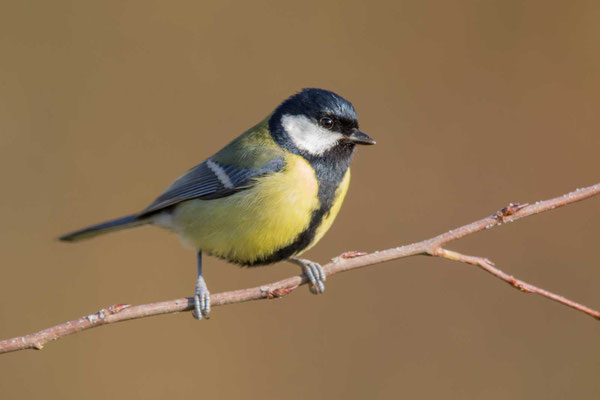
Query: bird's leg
pixel 314 272
pixel 202 295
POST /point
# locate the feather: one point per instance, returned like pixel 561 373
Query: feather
pixel 210 180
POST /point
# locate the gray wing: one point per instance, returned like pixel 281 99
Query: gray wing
pixel 210 180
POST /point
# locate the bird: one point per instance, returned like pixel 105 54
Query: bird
pixel 267 196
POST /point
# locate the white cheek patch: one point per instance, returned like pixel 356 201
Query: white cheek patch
pixel 309 136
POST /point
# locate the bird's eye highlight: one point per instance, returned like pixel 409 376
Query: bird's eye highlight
pixel 326 122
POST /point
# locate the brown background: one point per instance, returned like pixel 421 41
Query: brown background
pixel 473 104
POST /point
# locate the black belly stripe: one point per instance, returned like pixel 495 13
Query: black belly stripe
pixel 330 170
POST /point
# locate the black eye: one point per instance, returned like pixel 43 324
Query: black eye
pixel 326 122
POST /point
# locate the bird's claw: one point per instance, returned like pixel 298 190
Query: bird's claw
pixel 315 274
pixel 201 301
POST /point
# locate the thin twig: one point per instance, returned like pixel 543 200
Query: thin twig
pixel 489 266
pixel 345 262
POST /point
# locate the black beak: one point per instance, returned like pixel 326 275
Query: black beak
pixel 359 137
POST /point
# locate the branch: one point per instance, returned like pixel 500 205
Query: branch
pixel 345 262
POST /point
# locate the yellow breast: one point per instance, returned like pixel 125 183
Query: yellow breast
pixel 251 224
pixel 328 219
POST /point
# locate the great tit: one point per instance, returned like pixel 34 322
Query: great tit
pixel 267 196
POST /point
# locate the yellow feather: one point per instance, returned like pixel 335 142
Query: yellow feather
pixel 328 219
pixel 251 224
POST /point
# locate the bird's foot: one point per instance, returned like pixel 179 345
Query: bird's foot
pixel 201 300
pixel 314 272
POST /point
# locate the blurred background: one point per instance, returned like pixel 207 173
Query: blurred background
pixel 473 105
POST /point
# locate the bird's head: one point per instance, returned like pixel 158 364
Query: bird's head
pixel 316 121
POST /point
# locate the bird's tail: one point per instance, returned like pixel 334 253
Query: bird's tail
pixel 129 221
